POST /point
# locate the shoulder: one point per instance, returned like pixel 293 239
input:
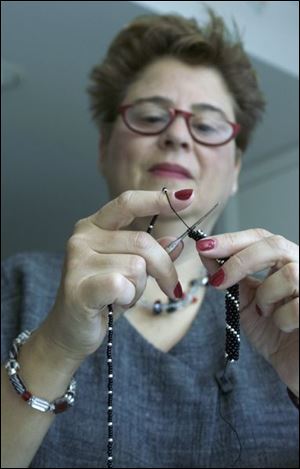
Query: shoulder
pixel 29 283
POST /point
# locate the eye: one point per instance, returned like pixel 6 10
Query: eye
pixel 204 128
pixel 149 114
pixel 152 118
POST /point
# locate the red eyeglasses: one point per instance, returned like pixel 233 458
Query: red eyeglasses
pixel 207 126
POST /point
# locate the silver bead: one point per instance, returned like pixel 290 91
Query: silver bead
pixel 36 403
pixel 39 404
pixel 12 366
pixel 204 281
pixel 72 386
pixel 70 398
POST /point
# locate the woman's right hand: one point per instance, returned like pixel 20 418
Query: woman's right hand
pixel 105 265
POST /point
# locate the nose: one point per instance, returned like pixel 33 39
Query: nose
pixel 176 135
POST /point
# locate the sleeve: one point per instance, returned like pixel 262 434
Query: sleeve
pixel 29 283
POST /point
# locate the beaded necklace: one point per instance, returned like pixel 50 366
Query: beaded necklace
pixel 232 343
pixel 158 307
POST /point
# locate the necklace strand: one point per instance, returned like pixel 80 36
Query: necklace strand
pixel 232 344
pixel 110 388
pixel 158 307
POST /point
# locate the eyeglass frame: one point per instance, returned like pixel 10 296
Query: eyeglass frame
pixel 174 112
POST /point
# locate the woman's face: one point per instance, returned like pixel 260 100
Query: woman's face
pixel 126 160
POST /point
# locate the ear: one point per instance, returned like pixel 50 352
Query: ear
pixel 237 169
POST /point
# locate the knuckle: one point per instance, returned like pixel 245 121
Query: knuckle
pixel 281 241
pixel 123 201
pixel 295 310
pixel 74 245
pixel 80 225
pixel 231 238
pixel 278 241
pixel 288 315
pixel 240 262
pixel 142 240
pixel 115 282
pixel 261 232
pixel 137 265
pixel 291 273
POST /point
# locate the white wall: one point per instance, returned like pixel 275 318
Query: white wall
pixel 269 195
pixel 270 29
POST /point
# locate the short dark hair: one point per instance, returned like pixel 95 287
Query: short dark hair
pixel 149 38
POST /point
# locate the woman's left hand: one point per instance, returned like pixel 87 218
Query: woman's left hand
pixel 269 308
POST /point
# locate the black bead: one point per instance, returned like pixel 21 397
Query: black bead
pixel 193 282
pixel 157 309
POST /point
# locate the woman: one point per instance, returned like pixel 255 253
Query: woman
pixel 169 99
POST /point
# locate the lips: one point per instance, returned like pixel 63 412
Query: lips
pixel 170 169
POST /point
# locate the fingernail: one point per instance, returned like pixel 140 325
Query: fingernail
pixel 259 311
pixel 184 194
pixel 205 244
pixel 178 291
pixel 217 279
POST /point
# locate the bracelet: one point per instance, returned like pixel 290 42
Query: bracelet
pixel 58 405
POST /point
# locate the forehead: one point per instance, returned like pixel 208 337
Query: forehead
pixel 183 84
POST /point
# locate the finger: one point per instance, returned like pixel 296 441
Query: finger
pixel 287 316
pixel 210 265
pixel 131 266
pixel 97 291
pixel 129 205
pixel 158 262
pixel 280 285
pixel 127 264
pixel 268 252
pixel 227 244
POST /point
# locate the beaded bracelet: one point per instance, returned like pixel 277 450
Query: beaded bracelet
pixel 12 366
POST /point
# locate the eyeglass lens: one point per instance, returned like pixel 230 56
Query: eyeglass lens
pixel 206 126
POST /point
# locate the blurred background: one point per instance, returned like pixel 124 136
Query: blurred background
pixel 49 143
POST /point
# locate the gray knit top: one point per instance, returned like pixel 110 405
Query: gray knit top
pixel 166 407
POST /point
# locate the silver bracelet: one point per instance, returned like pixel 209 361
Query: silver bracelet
pixel 58 405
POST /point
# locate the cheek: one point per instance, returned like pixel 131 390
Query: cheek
pixel 217 166
pixel 125 148
pixel 222 159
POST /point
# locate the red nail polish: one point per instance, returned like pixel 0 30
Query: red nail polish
pixel 184 194
pixel 217 279
pixel 178 291
pixel 205 244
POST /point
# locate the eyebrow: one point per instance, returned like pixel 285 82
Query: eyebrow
pixel 195 107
